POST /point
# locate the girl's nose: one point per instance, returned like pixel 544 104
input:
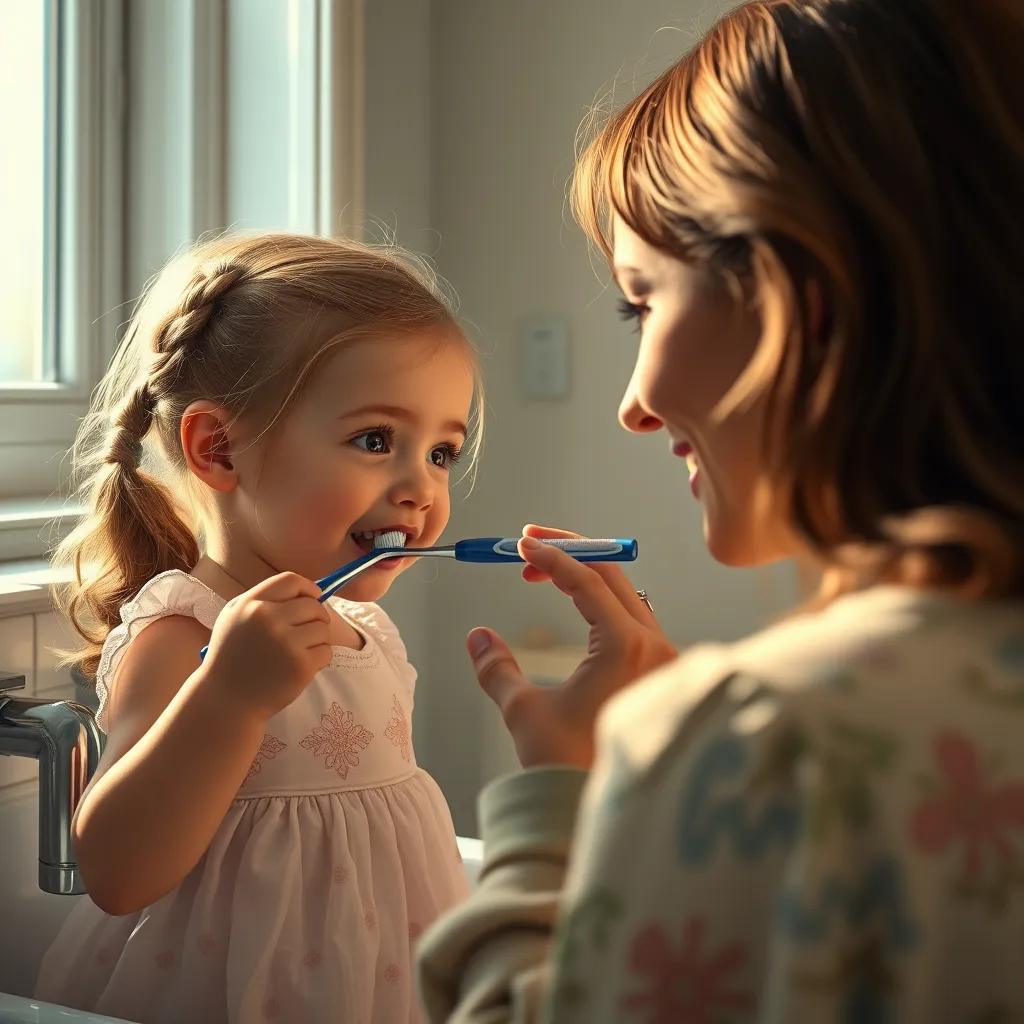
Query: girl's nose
pixel 413 487
pixel 634 416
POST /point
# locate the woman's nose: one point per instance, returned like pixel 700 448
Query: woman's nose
pixel 634 416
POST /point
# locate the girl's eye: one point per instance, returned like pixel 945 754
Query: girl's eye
pixel 445 455
pixel 633 311
pixel 377 442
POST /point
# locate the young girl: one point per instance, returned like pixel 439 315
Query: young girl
pixel 258 842
pixel 818 219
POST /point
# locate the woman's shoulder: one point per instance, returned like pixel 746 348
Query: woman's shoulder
pixel 884 656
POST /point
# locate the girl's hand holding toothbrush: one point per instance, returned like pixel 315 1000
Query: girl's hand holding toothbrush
pixel 555 725
pixel 268 643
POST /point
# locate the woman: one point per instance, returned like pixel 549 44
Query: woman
pixel 816 217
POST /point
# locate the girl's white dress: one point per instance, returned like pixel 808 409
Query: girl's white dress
pixel 336 853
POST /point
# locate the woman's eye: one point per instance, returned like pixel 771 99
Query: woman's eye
pixel 377 442
pixel 633 311
pixel 445 455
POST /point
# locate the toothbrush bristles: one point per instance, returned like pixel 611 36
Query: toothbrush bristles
pixel 391 539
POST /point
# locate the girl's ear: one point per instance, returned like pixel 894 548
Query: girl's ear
pixel 207 445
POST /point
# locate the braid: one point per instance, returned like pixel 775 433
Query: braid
pixel 184 325
pixel 131 425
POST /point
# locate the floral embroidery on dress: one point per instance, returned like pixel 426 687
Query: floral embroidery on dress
pixel 269 749
pixel 338 739
pixel 312 959
pixel 392 973
pixel 688 985
pixel 977 814
pixel 398 728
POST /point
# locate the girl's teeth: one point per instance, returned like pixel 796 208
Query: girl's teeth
pixel 691 463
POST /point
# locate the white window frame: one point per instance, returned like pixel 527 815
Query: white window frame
pixel 38 420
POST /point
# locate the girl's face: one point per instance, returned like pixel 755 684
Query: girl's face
pixel 369 446
pixel 696 339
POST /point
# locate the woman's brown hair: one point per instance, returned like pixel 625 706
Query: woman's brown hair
pixel 856 167
pixel 242 321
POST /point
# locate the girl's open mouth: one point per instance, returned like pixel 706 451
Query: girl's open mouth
pixel 365 539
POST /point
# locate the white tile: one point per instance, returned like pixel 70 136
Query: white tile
pixel 53 631
pixel 16 655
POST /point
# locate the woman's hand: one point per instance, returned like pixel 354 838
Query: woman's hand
pixel 268 643
pixel 555 725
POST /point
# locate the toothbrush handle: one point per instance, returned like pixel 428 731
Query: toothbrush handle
pixel 504 549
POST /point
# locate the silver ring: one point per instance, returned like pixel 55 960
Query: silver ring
pixel 642 594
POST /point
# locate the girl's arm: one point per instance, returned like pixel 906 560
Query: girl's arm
pixel 185 732
pixel 176 754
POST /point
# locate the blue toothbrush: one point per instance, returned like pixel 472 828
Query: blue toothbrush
pixel 476 549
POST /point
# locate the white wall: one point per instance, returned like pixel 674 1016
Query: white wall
pixel 511 83
pixel 397 200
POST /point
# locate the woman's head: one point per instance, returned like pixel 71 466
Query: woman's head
pixel 824 200
pixel 242 369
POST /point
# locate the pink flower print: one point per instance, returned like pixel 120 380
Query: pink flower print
pixel 340 874
pixel 968 809
pixel 207 943
pixel 312 959
pixel 165 959
pixel 415 930
pixel 338 739
pixel 685 986
pixel 392 973
pixel 370 920
pixel 269 749
pixel 398 728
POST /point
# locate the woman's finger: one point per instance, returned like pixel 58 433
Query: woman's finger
pixel 496 668
pixel 588 590
pixel 618 582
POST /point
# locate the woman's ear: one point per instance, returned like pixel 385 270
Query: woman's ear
pixel 206 444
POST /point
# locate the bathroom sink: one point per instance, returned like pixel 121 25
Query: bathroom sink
pixel 16 1010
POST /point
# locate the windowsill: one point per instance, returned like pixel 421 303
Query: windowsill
pixel 29 528
pixel 25 586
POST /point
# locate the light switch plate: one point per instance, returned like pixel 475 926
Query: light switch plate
pixel 544 357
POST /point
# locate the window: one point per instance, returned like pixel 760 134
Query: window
pixel 61 79
pixel 27 195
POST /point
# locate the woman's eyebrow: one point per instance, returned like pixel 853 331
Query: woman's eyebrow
pixel 638 284
pixel 401 413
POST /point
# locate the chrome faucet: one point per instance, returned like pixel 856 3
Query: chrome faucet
pixel 64 738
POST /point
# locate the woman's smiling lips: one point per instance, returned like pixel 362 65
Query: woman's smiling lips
pixel 685 451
